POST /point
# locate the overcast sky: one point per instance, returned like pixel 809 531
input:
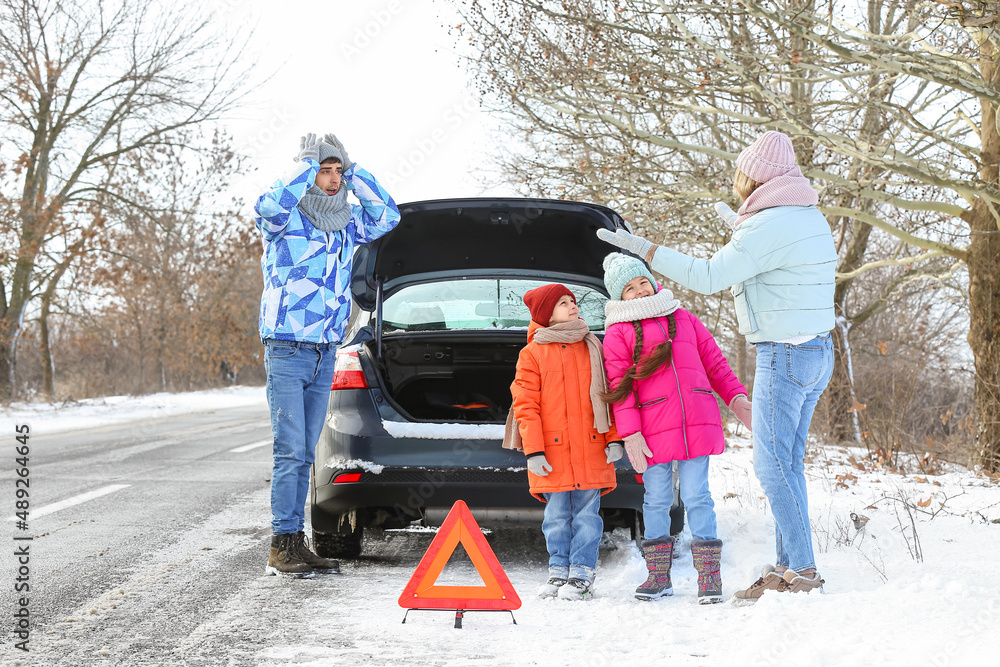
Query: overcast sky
pixel 383 75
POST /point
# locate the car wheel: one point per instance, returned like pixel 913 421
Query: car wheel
pixel 339 545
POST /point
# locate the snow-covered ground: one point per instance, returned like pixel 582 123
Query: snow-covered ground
pixel 93 412
pixel 915 584
pixel 908 557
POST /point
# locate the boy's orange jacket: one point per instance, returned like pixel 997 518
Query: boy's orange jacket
pixel 552 406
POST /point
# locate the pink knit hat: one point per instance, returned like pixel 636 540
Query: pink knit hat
pixel 770 156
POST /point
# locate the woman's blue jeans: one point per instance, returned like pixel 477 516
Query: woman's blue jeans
pixel 572 527
pixel 786 388
pixel 299 376
pixel 658 481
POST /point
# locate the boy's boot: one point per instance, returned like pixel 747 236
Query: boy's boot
pixel 578 586
pixel 769 581
pixel 557 579
pixel 285 560
pixel 324 565
pixel 658 554
pixel 707 555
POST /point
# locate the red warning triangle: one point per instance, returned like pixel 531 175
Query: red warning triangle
pixel 459 527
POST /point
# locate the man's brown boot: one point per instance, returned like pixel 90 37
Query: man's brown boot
pixel 323 565
pixel 285 560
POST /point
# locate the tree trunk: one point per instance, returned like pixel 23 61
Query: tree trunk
pixel 840 426
pixel 6 371
pixel 984 336
pixel 141 343
pixel 984 280
pixel 741 359
pixel 984 311
pixel 839 393
pixel 48 367
pixel 11 312
pixel 161 342
pixel 6 351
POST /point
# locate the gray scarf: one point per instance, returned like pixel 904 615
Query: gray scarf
pixel 327 213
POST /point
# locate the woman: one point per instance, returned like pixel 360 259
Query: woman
pixel 780 263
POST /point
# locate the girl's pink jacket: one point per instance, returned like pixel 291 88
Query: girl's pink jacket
pixel 677 413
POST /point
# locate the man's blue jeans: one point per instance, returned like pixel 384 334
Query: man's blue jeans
pixel 658 481
pixel 572 529
pixel 299 376
pixel 786 388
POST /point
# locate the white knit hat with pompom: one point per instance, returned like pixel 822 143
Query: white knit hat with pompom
pixel 619 269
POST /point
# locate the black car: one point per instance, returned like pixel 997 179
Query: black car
pixel 422 385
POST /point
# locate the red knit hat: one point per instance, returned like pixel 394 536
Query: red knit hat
pixel 541 301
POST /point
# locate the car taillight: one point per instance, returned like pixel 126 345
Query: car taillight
pixel 638 479
pixel 347 372
pixel 347 477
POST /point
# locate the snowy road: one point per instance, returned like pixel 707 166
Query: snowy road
pixel 164 566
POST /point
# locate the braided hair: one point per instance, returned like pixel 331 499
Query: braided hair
pixel 642 368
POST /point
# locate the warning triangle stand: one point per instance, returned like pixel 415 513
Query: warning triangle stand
pixel 497 594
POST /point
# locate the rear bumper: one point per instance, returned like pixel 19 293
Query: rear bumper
pixel 418 477
pixel 396 496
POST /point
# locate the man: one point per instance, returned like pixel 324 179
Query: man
pixel 309 231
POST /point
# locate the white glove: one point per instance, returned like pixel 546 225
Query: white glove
pixel 634 244
pixel 308 148
pixel 614 451
pixel 743 409
pixel 539 465
pixel 727 214
pixel 638 452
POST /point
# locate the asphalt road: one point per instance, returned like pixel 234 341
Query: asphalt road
pixel 127 574
pixel 154 554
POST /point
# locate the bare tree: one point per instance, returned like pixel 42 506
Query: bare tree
pixel 645 104
pixel 84 86
pixel 161 300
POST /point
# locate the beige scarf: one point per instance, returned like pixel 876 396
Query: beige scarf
pixel 570 332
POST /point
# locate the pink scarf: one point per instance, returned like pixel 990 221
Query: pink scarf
pixel 791 189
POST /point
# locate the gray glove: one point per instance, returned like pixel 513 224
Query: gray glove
pixel 638 452
pixel 727 214
pixel 630 242
pixel 614 451
pixel 308 148
pixel 335 142
pixel 539 465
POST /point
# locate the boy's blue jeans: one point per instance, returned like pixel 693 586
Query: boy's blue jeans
pixel 786 388
pixel 572 529
pixel 658 481
pixel 299 376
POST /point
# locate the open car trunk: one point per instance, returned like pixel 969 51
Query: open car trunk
pixel 450 377
pixel 446 287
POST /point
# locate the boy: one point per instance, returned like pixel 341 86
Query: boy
pixel 567 435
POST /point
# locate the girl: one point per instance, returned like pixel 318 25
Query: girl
pixel 663 366
pixel 567 435
pixel 781 263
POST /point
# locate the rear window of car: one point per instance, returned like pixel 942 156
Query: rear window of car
pixel 477 304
